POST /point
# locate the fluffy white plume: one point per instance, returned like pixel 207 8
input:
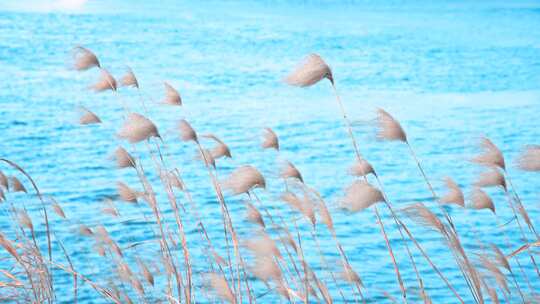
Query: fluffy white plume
pixel 220 149
pixel 187 133
pixel 84 59
pixel 310 71
pixel 490 155
pixel 129 79
pixel 361 168
pixel 290 171
pixel 270 139
pixel 529 160
pixel 137 128
pixel 481 200
pixel 244 179
pixel 361 195
pixel 123 158
pixel 491 178
pixel 454 194
pixel 106 82
pixel 88 117
pixel 172 97
pixel 389 128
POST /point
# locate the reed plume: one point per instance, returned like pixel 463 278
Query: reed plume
pixel 529 160
pixel 126 193
pixel 310 71
pixel 16 185
pixel 361 195
pixel 454 195
pixel 84 59
pixel 220 149
pixel 172 97
pixel 4 181
pixel 244 179
pixel 253 215
pixel 187 133
pixel 123 158
pixel 481 200
pixel 137 128
pixel 361 167
pixel 290 171
pixel 88 117
pixel 105 82
pixel 270 139
pixel 491 178
pixel 490 155
pixel 389 127
pixel 221 287
pixel 129 79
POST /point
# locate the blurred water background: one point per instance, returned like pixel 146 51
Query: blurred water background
pixel 450 71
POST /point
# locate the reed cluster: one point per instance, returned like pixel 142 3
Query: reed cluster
pixel 276 260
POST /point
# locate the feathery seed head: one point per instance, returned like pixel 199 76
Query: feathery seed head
pixel 270 139
pixel 361 195
pixel 187 133
pixel 137 128
pixel 454 194
pixel 529 160
pixel 389 127
pixel 129 79
pixel 172 97
pixel 490 156
pixel 105 82
pixel 84 59
pixel 243 179
pixel 88 117
pixel 310 71
pixel 481 200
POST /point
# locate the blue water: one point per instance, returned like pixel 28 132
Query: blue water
pixel 450 71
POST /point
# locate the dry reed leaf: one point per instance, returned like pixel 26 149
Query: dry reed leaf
pixel 290 171
pixel 310 71
pixel 172 97
pixel 422 215
pixel 129 79
pixel 361 168
pixel 491 178
pixel 389 128
pixel 187 133
pixel 243 179
pixel 253 215
pixel 126 193
pixel 490 155
pixel 481 200
pixel 84 59
pixel 16 185
pixel 529 160
pixel 361 195
pixel 220 149
pixel 270 139
pixel 221 287
pixel 4 181
pixel 105 82
pixel 137 128
pixel 454 194
pixel 123 158
pixel 88 117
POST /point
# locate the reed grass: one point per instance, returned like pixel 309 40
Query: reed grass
pixel 272 260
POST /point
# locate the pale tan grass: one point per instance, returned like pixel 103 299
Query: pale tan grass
pixel 310 71
pixel 84 59
pixel 243 179
pixel 172 97
pixel 270 139
pixel 137 128
pixel 529 160
pixel 361 195
pixel 105 82
pixel 88 117
pixel 454 195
